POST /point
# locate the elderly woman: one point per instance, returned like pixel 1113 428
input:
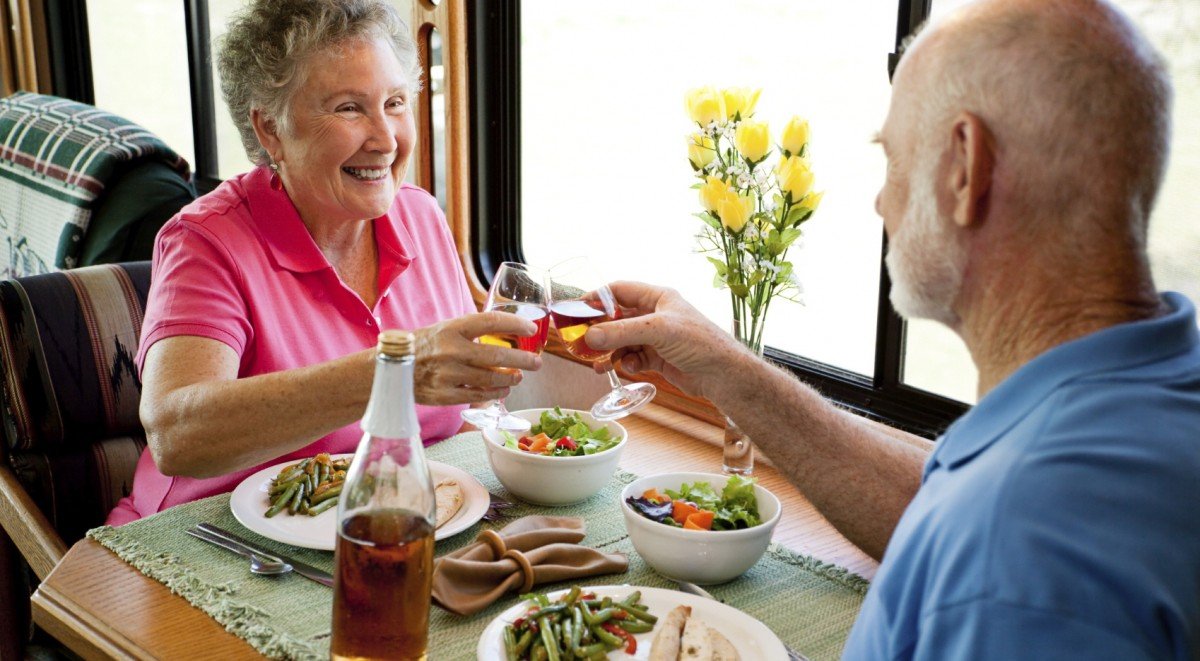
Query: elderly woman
pixel 269 292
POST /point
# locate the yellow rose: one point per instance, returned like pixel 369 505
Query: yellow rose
pixel 794 177
pixel 735 210
pixel 740 102
pixel 705 105
pixel 752 140
pixel 812 200
pixel 701 150
pixel 795 135
pixel 712 192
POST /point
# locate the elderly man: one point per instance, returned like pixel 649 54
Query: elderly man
pixel 1026 141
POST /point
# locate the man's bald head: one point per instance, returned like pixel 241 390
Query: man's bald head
pixel 1076 98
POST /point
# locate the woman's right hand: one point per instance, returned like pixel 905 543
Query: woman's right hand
pixel 451 368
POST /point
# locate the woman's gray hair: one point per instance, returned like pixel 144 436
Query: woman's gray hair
pixel 261 57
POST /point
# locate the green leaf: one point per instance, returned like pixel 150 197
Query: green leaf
pixel 719 281
pixel 788 236
pixel 696 186
pixel 741 291
pixel 796 215
pixel 721 267
pixel 757 277
pixel 709 219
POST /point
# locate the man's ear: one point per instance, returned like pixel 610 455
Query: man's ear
pixel 972 162
pixel 268 134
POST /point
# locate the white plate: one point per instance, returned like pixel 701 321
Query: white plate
pixel 751 638
pixel 250 501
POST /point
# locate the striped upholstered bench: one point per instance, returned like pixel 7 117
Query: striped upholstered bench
pixel 72 436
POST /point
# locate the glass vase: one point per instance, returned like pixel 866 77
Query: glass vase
pixel 738 452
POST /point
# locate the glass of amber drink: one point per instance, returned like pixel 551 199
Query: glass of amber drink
pixel 580 300
pixel 518 290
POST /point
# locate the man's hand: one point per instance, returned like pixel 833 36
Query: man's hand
pixel 662 332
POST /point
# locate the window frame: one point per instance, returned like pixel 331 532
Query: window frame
pixel 496 193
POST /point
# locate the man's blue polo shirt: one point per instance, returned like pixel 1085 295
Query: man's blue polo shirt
pixel 1060 517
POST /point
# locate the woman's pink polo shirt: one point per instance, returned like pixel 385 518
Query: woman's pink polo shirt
pixel 238 266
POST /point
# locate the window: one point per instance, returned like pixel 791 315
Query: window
pixel 147 90
pixel 604 169
pixel 596 106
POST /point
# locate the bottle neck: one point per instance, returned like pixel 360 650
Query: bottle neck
pixel 392 410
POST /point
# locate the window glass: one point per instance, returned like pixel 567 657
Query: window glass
pixel 231 156
pixel 603 152
pixel 151 91
pixel 936 360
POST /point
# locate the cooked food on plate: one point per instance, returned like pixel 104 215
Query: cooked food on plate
pixel 559 434
pixel 314 484
pixel 577 625
pixel 309 487
pixel 683 637
pixel 698 506
pixel 449 498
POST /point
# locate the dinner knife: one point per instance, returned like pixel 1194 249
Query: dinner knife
pixel 304 569
pixel 692 588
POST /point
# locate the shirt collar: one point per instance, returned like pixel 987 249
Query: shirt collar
pixel 1121 346
pixel 291 246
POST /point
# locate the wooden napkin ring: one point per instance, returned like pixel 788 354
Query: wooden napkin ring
pixel 494 541
pixel 501 551
pixel 526 568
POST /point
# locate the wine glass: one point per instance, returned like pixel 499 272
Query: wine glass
pixel 578 302
pixel 518 290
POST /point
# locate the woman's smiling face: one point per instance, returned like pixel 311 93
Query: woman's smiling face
pixel 350 136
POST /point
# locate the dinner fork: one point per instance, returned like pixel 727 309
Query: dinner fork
pixel 496 507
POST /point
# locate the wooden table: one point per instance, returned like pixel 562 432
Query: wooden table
pixel 101 607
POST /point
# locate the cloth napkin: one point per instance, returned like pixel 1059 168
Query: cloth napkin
pixel 526 552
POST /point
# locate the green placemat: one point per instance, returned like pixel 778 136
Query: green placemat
pixel 809 604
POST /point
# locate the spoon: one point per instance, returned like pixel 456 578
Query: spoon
pixel 258 563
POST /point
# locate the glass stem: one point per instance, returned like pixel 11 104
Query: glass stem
pixel 612 378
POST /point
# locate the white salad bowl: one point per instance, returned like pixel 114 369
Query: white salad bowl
pixel 544 480
pixel 704 557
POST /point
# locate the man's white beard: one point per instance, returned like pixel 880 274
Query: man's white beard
pixel 925 259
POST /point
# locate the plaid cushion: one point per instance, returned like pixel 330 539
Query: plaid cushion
pixel 56 158
pixel 67 343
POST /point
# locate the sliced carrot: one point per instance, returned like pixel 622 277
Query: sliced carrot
pixel 653 494
pixel 691 524
pixel 702 520
pixel 540 443
pixel 681 510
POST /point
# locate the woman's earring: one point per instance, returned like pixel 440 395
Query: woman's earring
pixel 276 182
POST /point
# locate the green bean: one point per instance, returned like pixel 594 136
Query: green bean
pixel 635 626
pixel 332 492
pixel 539 652
pixel 607 638
pixel 641 614
pixel 573 596
pixel 576 627
pixel 593 651
pixel 292 506
pixel 524 641
pixel 510 644
pixel 632 599
pixel 602 616
pixel 282 500
pixel 548 639
pixel 546 610
pixel 322 506
pixel 282 485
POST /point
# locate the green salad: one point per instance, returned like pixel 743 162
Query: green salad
pixel 559 434
pixel 700 507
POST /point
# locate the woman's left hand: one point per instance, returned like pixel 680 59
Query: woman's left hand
pixel 451 368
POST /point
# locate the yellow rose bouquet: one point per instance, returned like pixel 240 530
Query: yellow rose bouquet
pixel 752 210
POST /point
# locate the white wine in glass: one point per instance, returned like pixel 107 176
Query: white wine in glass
pixel 574 310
